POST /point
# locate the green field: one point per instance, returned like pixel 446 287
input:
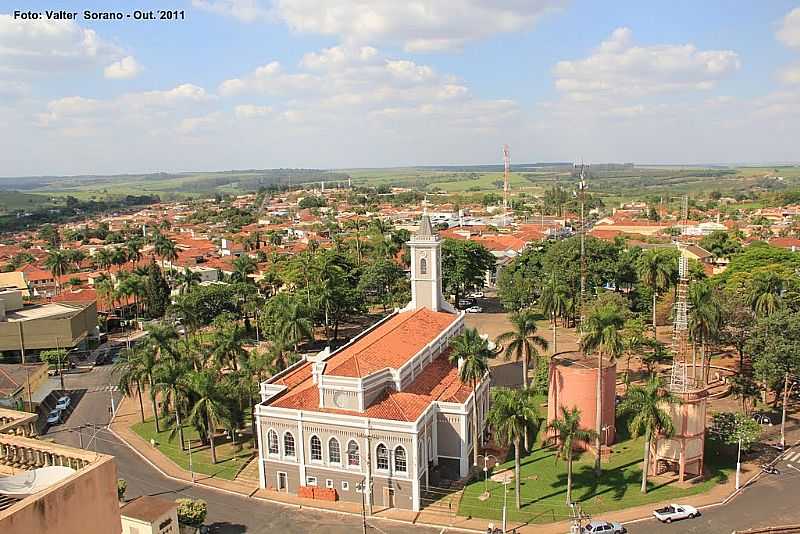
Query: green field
pixel 14 200
pixel 543 485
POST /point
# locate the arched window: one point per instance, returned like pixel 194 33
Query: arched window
pixel 382 457
pixel 352 454
pixel 423 266
pixel 400 459
pixel 272 442
pixel 334 454
pixel 288 444
pixel 316 448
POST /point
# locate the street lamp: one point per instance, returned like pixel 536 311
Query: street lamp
pixel 505 500
pixel 787 392
pixel 486 471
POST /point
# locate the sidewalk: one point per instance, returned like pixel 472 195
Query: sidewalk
pixel 128 414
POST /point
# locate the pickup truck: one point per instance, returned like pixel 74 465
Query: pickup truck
pixel 674 512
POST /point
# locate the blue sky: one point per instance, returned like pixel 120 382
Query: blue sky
pixel 350 83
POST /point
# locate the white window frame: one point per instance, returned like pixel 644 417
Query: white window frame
pixel 388 467
pixel 358 450
pixel 345 485
pixel 273 432
pixel 329 483
pixel 311 450
pixel 294 445
pixel 311 481
pixel 394 460
pixel 339 448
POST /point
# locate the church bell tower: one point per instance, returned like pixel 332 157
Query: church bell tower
pixel 426 269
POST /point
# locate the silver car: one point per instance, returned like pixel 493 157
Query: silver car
pixel 604 527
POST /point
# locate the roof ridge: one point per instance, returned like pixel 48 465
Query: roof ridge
pixel 396 405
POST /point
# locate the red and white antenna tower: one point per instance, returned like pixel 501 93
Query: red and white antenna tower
pixel 506 170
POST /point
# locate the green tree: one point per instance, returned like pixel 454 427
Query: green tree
pixel 650 416
pixel 470 352
pixel 243 267
pixel 764 292
pixel 156 291
pixel 730 428
pixel 721 244
pixel 57 262
pixel 522 340
pixel 555 302
pixel 705 321
pixel 513 414
pixel 656 270
pixel 209 407
pixel 382 280
pixel 602 334
pixel 464 266
pixel 567 430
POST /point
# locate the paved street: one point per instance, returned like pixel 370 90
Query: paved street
pixel 228 514
pixel 771 500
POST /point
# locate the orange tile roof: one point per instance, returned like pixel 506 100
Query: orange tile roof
pixel 391 344
pixel 438 382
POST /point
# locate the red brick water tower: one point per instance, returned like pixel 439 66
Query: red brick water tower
pixel 573 383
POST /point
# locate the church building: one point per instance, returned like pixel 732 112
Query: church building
pixel 385 413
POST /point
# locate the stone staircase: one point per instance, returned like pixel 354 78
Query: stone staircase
pixel 249 474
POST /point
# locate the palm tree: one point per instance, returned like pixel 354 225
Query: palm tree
pixel 186 280
pixel 764 293
pixel 243 267
pixel 130 372
pixel 293 322
pixel 103 259
pixel 226 341
pixel 656 269
pixel 649 406
pixel 57 262
pixel 705 321
pixel 75 257
pixel 521 342
pixel 170 385
pixel 133 250
pixel 471 353
pixel 209 408
pixel 568 430
pixel 554 302
pixel 165 249
pixel 602 334
pixel 513 412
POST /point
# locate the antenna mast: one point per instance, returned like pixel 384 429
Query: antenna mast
pixel 679 381
pixel 506 170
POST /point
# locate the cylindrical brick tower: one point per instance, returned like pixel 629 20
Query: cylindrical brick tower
pixel 573 383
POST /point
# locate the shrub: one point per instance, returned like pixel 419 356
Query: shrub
pixel 122 486
pixel 192 512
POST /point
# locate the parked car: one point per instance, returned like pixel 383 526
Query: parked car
pixel 604 527
pixel 465 303
pixel 674 512
pixel 63 403
pixel 761 419
pixel 54 417
pixel 477 295
pixel 474 309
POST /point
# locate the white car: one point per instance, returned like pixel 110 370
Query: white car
pixel 604 527
pixel 474 309
pixel 477 295
pixel 674 512
pixel 54 417
pixel 63 403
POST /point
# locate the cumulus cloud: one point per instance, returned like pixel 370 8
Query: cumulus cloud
pixel 250 111
pixel 124 69
pixel 43 46
pixel 789 32
pixel 620 67
pixel 243 10
pixel 419 26
pixel 791 74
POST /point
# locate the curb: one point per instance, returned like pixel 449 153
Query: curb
pixel 288 505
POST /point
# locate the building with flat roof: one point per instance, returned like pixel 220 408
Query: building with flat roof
pixel 150 515
pixel 44 326
pixel 46 487
pixel 382 415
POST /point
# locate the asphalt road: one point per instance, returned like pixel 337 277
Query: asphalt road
pixel 228 514
pixel 771 500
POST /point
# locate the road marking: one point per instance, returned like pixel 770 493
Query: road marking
pixel 794 467
pixel 794 457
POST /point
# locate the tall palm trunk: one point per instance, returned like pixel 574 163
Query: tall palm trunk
pixel 141 404
pixel 516 470
pixel 599 415
pixel 655 300
pixel 211 437
pixel 178 420
pixel 525 357
pixel 474 425
pixel 569 476
pixel 555 335
pixel 154 402
pixel 646 461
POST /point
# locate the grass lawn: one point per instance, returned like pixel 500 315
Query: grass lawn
pixel 544 485
pixel 229 460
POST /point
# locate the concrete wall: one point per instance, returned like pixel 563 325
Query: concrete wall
pixel 82 504
pixel 48 333
pixel 448 429
pixel 138 526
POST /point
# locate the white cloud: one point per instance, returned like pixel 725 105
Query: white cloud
pixel 618 67
pixel 43 46
pixel 250 111
pixel 419 26
pixel 789 32
pixel 269 79
pixel 124 69
pixel 243 10
pixel 791 74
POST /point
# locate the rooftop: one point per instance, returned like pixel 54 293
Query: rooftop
pixel 391 344
pixel 147 508
pixel 43 311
